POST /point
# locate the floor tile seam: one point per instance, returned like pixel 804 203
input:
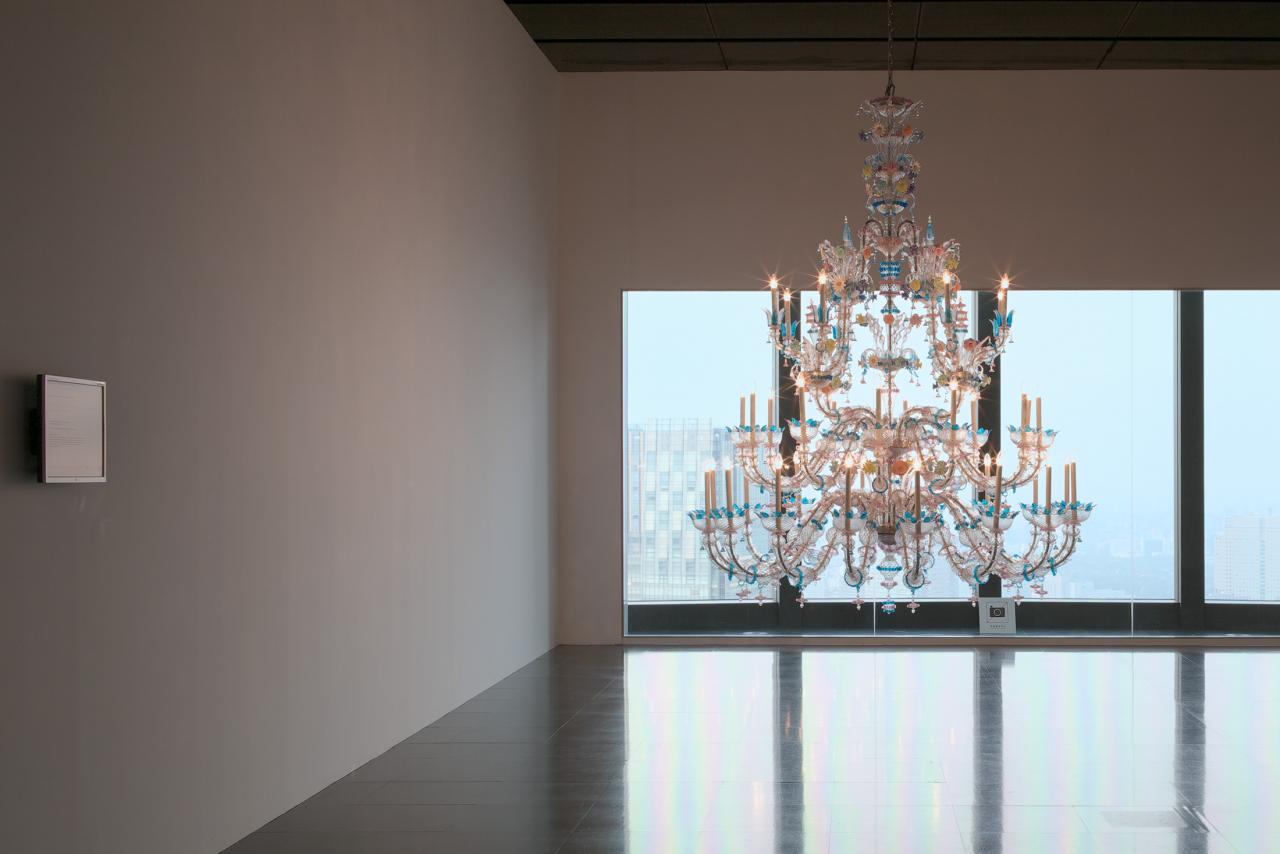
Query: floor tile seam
pixel 578 824
pixel 571 718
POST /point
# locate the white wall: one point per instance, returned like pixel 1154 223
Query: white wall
pixel 710 181
pixel 309 245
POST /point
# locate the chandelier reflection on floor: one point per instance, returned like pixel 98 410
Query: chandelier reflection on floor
pixel 883 489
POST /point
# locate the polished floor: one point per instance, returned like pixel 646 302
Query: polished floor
pixel 600 749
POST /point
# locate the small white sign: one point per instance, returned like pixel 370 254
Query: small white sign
pixel 996 617
pixel 73 430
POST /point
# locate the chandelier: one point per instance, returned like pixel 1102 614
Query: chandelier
pixel 882 489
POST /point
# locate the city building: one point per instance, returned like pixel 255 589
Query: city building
pixel 1246 559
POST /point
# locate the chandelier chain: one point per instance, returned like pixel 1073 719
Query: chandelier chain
pixel 888 89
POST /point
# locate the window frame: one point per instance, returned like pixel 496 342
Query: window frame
pixel 1188 613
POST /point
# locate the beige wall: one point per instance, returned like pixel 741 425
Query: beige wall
pixel 309 245
pixel 709 181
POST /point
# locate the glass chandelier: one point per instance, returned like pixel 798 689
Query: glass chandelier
pixel 883 488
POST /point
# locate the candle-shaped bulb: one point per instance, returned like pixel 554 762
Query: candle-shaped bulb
pixel 822 277
pixel 773 282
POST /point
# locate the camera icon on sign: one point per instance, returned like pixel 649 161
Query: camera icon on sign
pixel 996 612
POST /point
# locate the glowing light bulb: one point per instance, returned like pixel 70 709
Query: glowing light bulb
pixel 786 295
pixel 773 282
pixel 1004 283
pixel 822 277
pixel 946 277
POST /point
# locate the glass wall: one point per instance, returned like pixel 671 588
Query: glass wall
pixel 1241 511
pixel 1105 365
pixel 688 357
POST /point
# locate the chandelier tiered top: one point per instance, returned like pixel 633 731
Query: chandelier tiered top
pixel 887 487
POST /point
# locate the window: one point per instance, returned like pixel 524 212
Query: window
pixel 1104 363
pixel 1121 381
pixel 689 356
pixel 1241 407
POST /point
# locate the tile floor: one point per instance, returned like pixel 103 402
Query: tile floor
pixel 600 749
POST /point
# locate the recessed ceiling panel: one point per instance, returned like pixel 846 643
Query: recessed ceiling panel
pixel 598 35
pixel 1010 54
pixel 1023 19
pixel 1204 20
pixel 864 20
pixel 614 20
pixel 633 56
pixel 1194 54
pixel 799 55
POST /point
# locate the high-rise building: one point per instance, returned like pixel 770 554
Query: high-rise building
pixel 665 461
pixel 1246 559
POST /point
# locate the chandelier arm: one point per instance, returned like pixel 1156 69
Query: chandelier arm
pixel 971 471
pixel 1020 475
pixel 712 547
pixel 1033 569
pixel 965 567
pixel 733 556
pixel 823 557
pixel 749 463
pixel 756 555
pixel 827 406
pixel 813 472
pixel 1070 540
pixel 779 543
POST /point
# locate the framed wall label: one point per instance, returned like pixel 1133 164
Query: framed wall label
pixel 73 430
pixel 996 617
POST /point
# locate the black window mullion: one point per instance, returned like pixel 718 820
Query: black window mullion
pixel 789 612
pixel 988 404
pixel 1189 512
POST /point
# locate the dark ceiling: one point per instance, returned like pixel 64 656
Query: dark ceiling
pixel 669 36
